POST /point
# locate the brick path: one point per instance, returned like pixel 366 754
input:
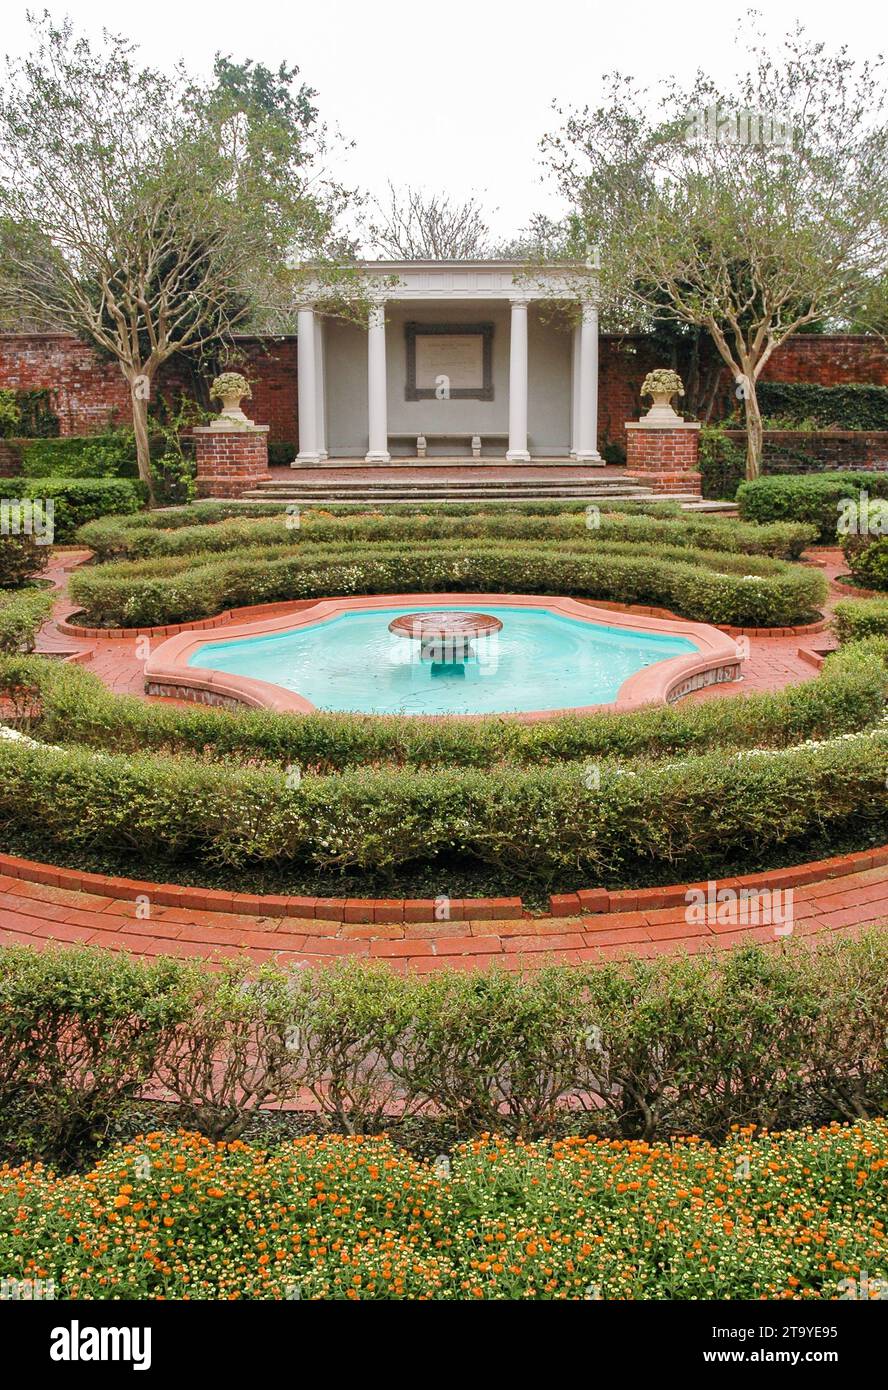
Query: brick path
pixel 38 913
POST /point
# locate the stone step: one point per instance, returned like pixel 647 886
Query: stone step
pixel 302 495
pixel 455 484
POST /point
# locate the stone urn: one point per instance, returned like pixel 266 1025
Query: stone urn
pixel 230 388
pixel 662 385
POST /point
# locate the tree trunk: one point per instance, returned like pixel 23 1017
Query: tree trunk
pixel 754 432
pixel 139 395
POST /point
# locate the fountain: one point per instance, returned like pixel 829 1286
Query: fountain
pixel 445 639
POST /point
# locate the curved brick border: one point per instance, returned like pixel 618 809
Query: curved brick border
pixel 393 910
pixel 170 669
pixel 44 906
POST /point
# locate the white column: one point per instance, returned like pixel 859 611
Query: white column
pixel 517 451
pixel 377 405
pixel 587 440
pixel 320 390
pixel 575 391
pixel 306 364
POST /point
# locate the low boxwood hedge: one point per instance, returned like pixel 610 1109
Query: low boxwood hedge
pixel 707 586
pixel 78 500
pixel 22 613
pixel 68 704
pixel 544 823
pixel 860 618
pixel 866 547
pixel 113 539
pixel 814 499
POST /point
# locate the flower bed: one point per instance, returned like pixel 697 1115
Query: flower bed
pixel 796 1215
pixel 704 586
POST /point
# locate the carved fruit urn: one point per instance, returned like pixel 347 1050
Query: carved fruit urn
pixel 662 385
pixel 230 388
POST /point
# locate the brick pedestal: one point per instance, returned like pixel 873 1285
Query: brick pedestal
pixel 664 457
pixel 230 461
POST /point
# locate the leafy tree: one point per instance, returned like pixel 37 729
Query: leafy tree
pixel 752 211
pixel 152 214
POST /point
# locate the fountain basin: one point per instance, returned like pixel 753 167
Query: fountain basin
pixel 603 660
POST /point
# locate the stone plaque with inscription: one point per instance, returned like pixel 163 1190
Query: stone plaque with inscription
pixel 452 360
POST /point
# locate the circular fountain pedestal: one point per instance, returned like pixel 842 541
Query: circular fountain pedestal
pixel 445 639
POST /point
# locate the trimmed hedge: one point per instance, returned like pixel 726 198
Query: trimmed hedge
pixel 861 618
pixel 78 500
pixel 544 823
pixel 22 614
pixel 703 585
pixel 358 1219
pixel 68 704
pixel 811 498
pixel 856 406
pixel 113 539
pixel 758 1038
pixel 866 548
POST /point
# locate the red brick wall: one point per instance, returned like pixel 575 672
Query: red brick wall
pixel 89 393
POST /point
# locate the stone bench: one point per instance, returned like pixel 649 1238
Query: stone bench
pixel 474 441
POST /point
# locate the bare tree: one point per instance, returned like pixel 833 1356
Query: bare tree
pixel 414 225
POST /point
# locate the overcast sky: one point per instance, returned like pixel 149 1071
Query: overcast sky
pixel 455 94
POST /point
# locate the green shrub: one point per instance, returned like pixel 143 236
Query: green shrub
pixel 866 546
pixel 81 1032
pixel 108 455
pixel 22 614
pixel 24 556
pixel 757 1039
pixel 722 463
pixel 816 499
pixel 76 707
pixel 78 500
pixel 860 618
pixel 856 406
pixel 117 538
pixel 279 455
pixel 703 585
pixel 694 811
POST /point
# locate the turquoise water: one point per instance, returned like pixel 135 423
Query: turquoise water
pixel 539 660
